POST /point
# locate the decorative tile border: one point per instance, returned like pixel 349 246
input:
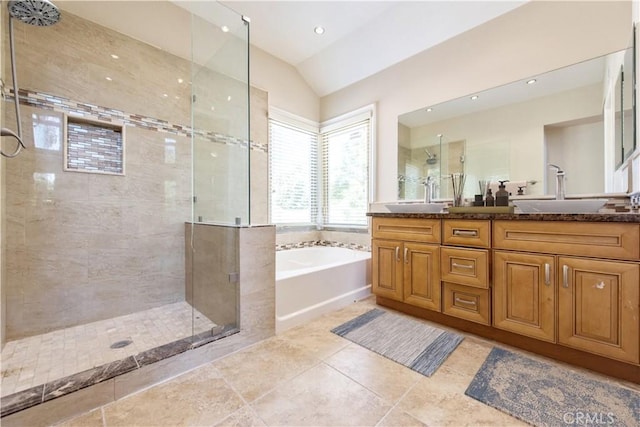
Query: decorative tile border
pixel 312 243
pixel 82 109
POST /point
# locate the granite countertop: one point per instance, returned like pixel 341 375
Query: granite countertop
pixel 591 217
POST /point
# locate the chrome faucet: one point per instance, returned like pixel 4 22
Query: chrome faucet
pixel 559 181
pixel 428 189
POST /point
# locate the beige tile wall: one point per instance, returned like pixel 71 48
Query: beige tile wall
pixel 84 247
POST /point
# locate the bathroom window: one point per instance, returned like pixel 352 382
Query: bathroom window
pixel 320 175
pixel 345 166
pixel 346 152
pixel 293 173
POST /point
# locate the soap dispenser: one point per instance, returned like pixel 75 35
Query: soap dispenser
pixel 502 195
pixel 488 199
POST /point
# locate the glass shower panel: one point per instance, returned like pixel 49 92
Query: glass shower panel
pixel 221 118
pixel 221 150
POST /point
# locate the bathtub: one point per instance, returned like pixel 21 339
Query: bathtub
pixel 316 280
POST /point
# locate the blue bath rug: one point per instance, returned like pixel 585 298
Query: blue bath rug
pixel 402 339
pixel 546 394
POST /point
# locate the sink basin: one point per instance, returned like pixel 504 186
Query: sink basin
pixel 560 206
pixel 415 207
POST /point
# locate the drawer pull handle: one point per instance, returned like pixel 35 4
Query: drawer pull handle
pixel 406 255
pixel 465 233
pixel 565 276
pixel 456 265
pixel 547 274
pixel 397 253
pixel 465 301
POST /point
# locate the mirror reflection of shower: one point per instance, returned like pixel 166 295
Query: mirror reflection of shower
pixel 40 13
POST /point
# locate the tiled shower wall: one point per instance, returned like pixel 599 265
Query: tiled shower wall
pixel 83 247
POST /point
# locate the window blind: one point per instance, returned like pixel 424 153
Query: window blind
pixel 292 174
pixel 345 172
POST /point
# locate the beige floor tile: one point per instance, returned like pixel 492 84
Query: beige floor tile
pixel 317 340
pixel 440 401
pixel 321 397
pixel 262 367
pixel 243 417
pixel 386 378
pixel 91 419
pixel 399 418
pixel 200 397
pixel 468 357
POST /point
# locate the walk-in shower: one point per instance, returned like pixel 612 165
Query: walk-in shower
pixel 125 139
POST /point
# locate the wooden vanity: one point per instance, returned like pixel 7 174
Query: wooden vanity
pixel 564 286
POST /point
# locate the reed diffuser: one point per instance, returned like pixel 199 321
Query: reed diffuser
pixel 457 182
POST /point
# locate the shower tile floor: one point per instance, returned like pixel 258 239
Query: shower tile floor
pixel 42 358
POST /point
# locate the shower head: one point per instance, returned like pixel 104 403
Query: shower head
pixel 41 13
pixel 431 158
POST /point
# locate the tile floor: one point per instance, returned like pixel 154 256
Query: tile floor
pixel 308 376
pixel 36 360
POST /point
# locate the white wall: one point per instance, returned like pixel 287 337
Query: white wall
pixel 287 89
pixel 535 38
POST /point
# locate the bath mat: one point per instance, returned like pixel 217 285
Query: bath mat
pixel 407 341
pixel 545 394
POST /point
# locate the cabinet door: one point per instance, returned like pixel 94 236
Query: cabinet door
pixel 598 307
pixel 386 268
pixel 524 294
pixel 422 275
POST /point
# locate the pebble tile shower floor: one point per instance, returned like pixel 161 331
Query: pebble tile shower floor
pixel 36 360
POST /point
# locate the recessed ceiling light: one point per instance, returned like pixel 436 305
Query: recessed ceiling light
pixel 114 56
pixel 229 98
pixel 532 81
pixel 474 97
pixel 164 95
pixel 108 78
pixel 429 110
pixel 319 30
pixel 180 80
pixel 224 29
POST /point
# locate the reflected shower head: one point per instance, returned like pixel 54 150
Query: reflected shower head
pixel 431 158
pixel 41 13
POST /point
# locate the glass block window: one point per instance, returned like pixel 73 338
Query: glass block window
pixel 93 146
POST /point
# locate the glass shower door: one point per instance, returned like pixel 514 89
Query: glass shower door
pixel 220 168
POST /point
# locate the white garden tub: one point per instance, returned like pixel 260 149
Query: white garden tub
pixel 316 280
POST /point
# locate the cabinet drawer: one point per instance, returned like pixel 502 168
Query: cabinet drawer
pixel 465 266
pixel 466 302
pixel 408 229
pixel 474 233
pixel 591 239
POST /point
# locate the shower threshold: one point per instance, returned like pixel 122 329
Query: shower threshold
pixel 59 387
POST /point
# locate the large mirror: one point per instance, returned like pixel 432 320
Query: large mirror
pixel 579 117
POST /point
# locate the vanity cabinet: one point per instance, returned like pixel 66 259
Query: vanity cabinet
pixel 465 269
pixel 593 270
pixel 598 307
pixel 406 261
pixel 524 294
pixel 564 287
